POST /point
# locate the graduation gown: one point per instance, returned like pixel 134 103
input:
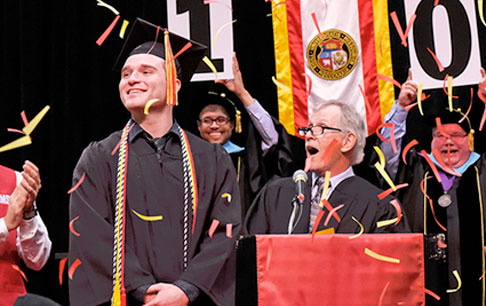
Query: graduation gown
pixel 463 247
pixel 154 249
pixel 270 212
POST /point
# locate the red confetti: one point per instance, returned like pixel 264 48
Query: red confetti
pixel 107 32
pixel 436 2
pixel 432 294
pixel 331 213
pixel 62 265
pixel 314 18
pixel 431 204
pixel 316 222
pixel 387 192
pixel 119 143
pixel 438 122
pixel 445 88
pixel 15 131
pixel 71 227
pixel 182 50
pixel 77 184
pixel 436 59
pixel 24 118
pixel 398 208
pixel 441 244
pixel 73 268
pixel 382 295
pixel 331 210
pixel 330 150
pixel 16 268
pixel 432 166
pixel 447 169
pixel 392 134
pixel 213 227
pixel 398 27
pixel 229 230
pixel 407 148
pixel 391 80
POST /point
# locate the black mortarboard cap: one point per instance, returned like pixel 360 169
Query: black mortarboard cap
pixel 145 37
pixel 214 98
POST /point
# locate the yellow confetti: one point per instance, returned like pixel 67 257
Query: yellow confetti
pixel 459 282
pixel 111 8
pixel 208 62
pixel 327 177
pixel 381 156
pixel 385 176
pixel 220 29
pixel 22 141
pixel 34 122
pixel 123 28
pixel 419 99
pixel 148 104
pixel 481 13
pixel 386 222
pixel 381 257
pixel 449 90
pixel 282 86
pixel 147 218
pixel 361 228
pixel 227 195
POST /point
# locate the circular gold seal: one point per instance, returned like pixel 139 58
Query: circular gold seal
pixel 332 55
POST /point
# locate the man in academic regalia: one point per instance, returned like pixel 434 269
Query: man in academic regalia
pixel 445 198
pixel 158 209
pixel 23 235
pixel 334 141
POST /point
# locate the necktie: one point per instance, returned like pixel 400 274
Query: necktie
pixel 316 194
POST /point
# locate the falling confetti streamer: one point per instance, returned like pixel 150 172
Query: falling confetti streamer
pixel 123 28
pixel 148 105
pixel 407 148
pixel 147 218
pixel 211 66
pixel 213 227
pixel 220 29
pixel 459 282
pixel 62 265
pixel 361 229
pixel 77 184
pixel 71 226
pixel 73 268
pixel 107 32
pixel 381 257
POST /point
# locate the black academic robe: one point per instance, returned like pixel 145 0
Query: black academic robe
pixel 154 249
pixel 464 220
pixel 270 212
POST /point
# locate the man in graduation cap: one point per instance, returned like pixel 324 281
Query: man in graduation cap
pixel 220 117
pixel 445 197
pixel 158 209
pixel 334 142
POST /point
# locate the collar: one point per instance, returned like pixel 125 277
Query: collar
pixel 473 157
pixel 232 148
pixel 337 179
pixel 137 130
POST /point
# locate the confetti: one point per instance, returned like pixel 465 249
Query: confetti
pixel 449 92
pixel 24 118
pixel 361 229
pixel 381 257
pixel 384 223
pixel 419 99
pixel 441 244
pixel 469 108
pixel 436 2
pixel 392 134
pixel 111 8
pixel 208 62
pixel 382 295
pixel 459 282
pixel 483 118
pixel 71 227
pixel 331 213
pixel 447 169
pixel 77 184
pixel 22 141
pixel 381 156
pixel 446 90
pixel 481 11
pixel 148 105
pixel 399 29
pixel 332 210
pixel 16 268
pixel 119 143
pixel 73 268
pixel 422 187
pixel 387 192
pixel 436 59
pixel 407 148
pixel 327 177
pixel 385 176
pixel 432 294
pixel 182 50
pixel 107 32
pixel 15 131
pixel 438 122
pixel 123 28
pixel 314 18
pixel 280 85
pixel 62 265
pixel 229 230
pixel 29 128
pixel 147 218
pixel 220 29
pixel 213 227
pixel 432 165
pixel 319 216
pixel 227 196
pixel 389 79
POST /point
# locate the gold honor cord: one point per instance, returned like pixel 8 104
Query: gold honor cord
pixel 481 207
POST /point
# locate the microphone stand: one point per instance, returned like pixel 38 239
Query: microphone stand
pixel 297 208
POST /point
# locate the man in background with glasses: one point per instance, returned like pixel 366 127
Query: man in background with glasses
pixel 446 193
pixel 334 141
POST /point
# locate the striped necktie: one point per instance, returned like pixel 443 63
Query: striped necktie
pixel 316 200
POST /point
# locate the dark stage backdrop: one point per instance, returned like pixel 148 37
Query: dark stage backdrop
pixel 48 56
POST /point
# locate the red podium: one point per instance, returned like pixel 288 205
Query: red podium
pixel 370 269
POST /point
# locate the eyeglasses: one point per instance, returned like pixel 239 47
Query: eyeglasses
pixel 220 120
pixel 454 137
pixel 316 130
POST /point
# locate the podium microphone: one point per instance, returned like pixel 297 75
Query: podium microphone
pixel 300 178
